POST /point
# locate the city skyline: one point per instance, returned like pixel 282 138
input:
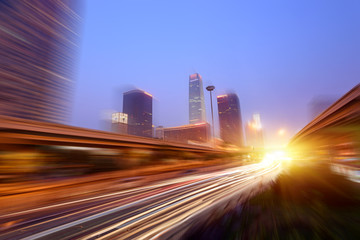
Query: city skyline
pixel 148 153
pixel 275 56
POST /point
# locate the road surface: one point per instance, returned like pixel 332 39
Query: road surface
pixel 147 212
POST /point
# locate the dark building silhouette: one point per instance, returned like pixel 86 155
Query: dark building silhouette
pixel 196 99
pixel 38 46
pixel 230 119
pixel 137 104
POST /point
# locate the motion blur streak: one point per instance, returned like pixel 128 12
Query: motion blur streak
pixel 142 213
pixel 38 48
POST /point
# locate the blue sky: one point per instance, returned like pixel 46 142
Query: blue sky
pixel 276 55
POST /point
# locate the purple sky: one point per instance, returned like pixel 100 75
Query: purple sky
pixel 276 55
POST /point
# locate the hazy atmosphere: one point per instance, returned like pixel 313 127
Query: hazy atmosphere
pixel 179 120
pixel 276 55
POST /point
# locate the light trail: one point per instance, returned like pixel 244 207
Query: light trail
pixel 141 213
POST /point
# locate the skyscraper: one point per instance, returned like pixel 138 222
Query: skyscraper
pixel 38 45
pixel 230 119
pixel 196 99
pixel 137 104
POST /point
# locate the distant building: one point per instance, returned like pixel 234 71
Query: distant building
pixel 38 46
pixel 196 99
pixel 254 132
pixel 230 119
pixel 319 104
pixel 199 132
pixel 119 123
pixel 159 132
pixel 137 104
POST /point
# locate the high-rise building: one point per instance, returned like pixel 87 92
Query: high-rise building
pixel 196 99
pixel 137 104
pixel 230 119
pixel 38 46
pixel 254 132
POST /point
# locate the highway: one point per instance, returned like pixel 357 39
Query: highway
pixel 147 212
pixel 18 131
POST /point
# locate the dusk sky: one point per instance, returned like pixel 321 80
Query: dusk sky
pixel 276 55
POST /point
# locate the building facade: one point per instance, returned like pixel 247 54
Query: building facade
pixel 137 104
pixel 38 46
pixel 196 99
pixel 119 123
pixel 192 133
pixel 159 132
pixel 254 132
pixel 230 122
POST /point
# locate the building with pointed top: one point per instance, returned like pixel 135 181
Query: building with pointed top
pixel 196 99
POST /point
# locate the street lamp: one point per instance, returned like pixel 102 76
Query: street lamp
pixel 210 89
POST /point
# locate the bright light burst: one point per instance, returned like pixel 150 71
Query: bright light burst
pixel 281 132
pixel 275 156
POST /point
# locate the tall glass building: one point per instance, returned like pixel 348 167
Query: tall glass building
pixel 196 99
pixel 137 104
pixel 230 119
pixel 38 46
